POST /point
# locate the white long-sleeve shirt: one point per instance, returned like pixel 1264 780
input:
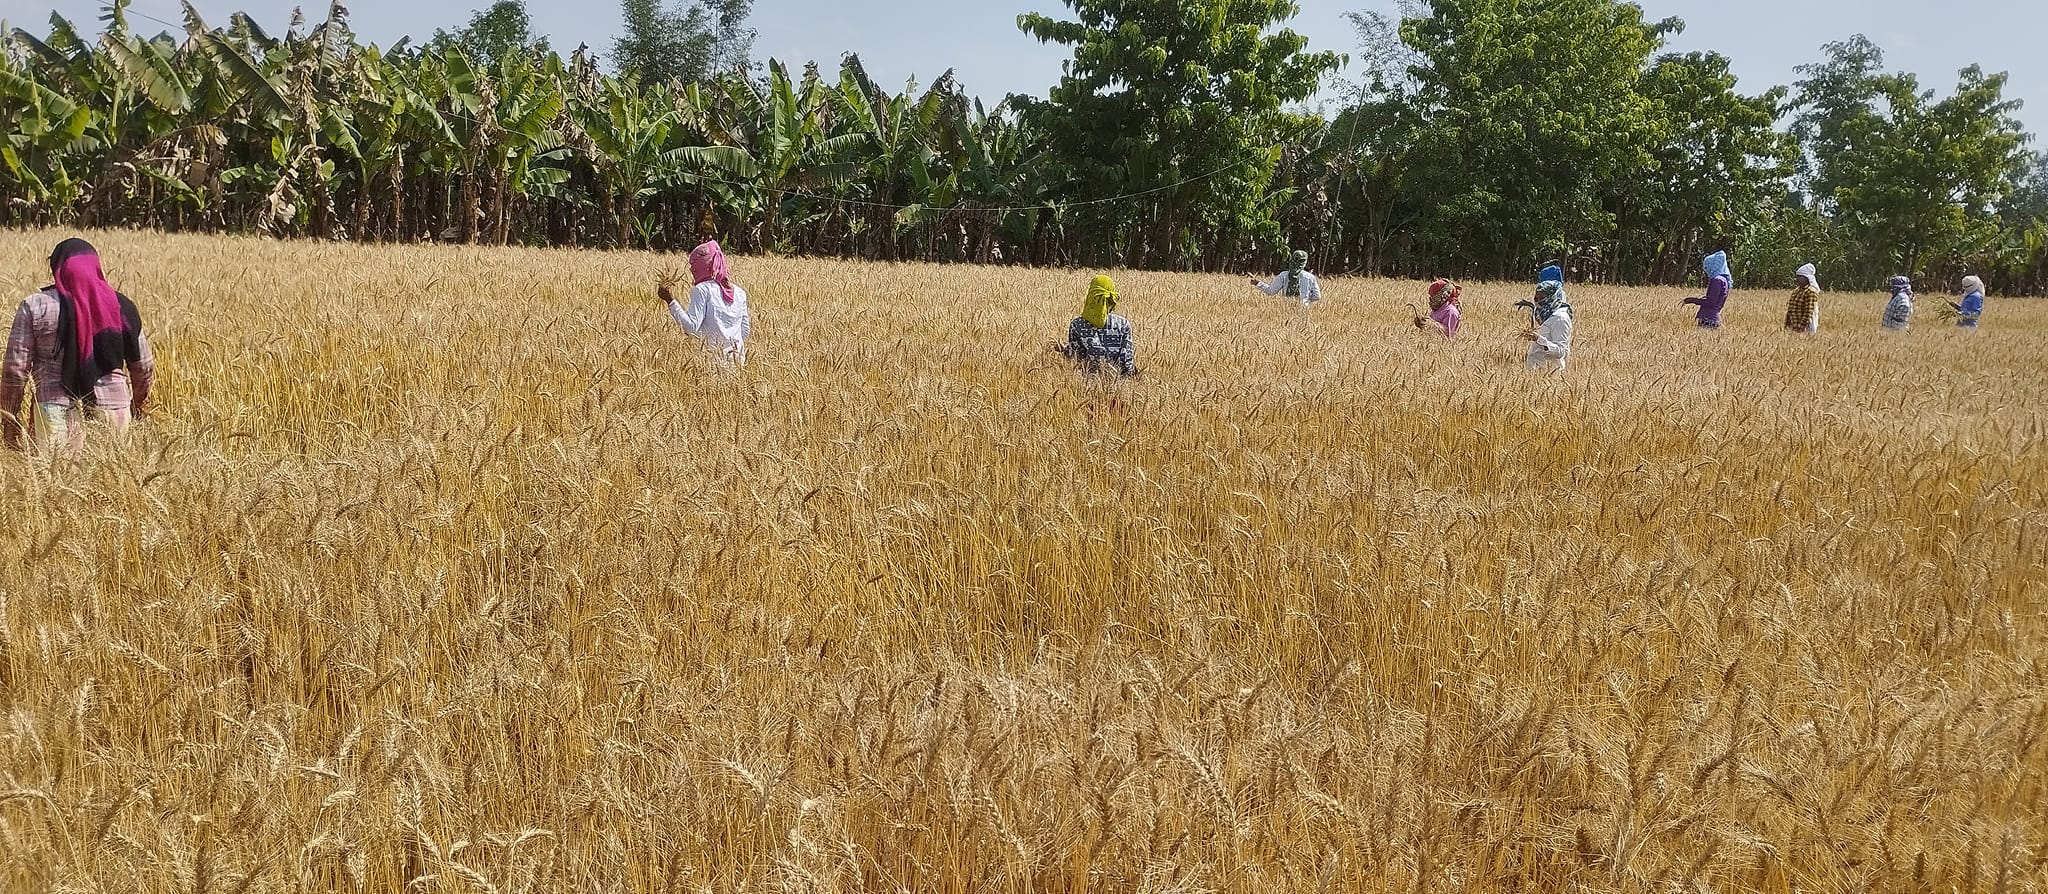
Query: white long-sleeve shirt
pixel 1553 343
pixel 723 327
pixel 1310 291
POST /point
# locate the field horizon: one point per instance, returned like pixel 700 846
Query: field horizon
pixel 445 568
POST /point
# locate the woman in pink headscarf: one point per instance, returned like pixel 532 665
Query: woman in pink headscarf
pixel 716 310
pixel 81 343
pixel 1443 309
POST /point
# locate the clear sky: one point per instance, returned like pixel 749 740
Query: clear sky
pixel 979 38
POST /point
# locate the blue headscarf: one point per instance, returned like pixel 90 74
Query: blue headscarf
pixel 1716 264
pixel 1552 273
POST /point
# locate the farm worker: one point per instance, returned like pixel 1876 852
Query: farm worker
pixel 1100 339
pixel 1898 313
pixel 717 310
pixel 82 344
pixel 1550 330
pixel 1802 313
pixel 1294 282
pixel 1719 284
pixel 1972 308
pixel 1443 309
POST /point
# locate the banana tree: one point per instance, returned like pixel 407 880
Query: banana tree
pixel 634 139
pixel 47 135
pixel 900 132
pixel 784 126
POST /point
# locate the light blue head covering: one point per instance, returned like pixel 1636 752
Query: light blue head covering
pixel 1716 264
pixel 1550 299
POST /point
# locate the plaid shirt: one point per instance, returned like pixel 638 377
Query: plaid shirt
pixel 33 351
pixel 1112 345
pixel 1799 313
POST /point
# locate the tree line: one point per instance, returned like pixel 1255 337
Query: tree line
pixel 1483 137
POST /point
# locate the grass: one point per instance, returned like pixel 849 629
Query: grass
pixel 446 569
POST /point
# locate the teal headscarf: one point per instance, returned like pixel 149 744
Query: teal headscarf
pixel 1550 299
pixel 1294 269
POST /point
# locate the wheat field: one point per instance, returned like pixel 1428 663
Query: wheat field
pixel 449 569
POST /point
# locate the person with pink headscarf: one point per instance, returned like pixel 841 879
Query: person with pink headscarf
pixel 716 310
pixel 81 343
pixel 1443 309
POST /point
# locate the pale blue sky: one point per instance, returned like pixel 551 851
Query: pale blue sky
pixel 979 38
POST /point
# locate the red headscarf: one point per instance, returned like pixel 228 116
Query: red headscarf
pixel 1446 291
pixel 707 264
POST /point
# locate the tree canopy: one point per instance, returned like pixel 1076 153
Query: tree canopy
pixel 1180 104
pixel 1482 137
pixel 663 45
pixel 503 27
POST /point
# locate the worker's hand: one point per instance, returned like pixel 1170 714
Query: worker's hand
pixel 1255 280
pixel 1422 322
pixel 1529 334
pixel 665 294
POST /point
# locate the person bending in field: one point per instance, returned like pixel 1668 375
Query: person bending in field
pixel 1719 284
pixel 717 309
pixel 1550 329
pixel 1443 309
pixel 1100 340
pixel 1972 308
pixel 81 343
pixel 1294 282
pixel 1898 312
pixel 1802 313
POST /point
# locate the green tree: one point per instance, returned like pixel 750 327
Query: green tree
pixel 686 46
pixel 1717 164
pixel 1179 101
pixel 1913 181
pixel 1532 112
pixel 492 32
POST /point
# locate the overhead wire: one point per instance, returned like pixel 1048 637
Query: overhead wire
pixel 700 174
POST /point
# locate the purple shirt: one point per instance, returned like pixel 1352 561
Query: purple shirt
pixel 1712 302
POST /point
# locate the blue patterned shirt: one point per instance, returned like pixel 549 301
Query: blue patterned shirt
pixel 1112 346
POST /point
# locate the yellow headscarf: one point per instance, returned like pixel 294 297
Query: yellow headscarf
pixel 1101 300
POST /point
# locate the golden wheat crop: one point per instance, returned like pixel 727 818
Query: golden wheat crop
pixel 446 569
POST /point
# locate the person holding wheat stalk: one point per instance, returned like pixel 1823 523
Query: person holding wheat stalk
pixel 1294 282
pixel 717 309
pixel 1550 331
pixel 1971 310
